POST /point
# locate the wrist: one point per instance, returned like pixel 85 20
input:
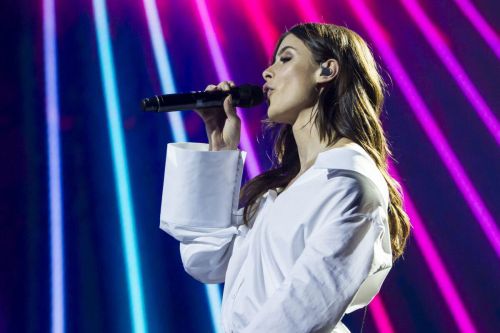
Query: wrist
pixel 212 124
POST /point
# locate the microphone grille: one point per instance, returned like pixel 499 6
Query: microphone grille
pixel 250 95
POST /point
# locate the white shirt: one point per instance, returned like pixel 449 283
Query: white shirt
pixel 315 252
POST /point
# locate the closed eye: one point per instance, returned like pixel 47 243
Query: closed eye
pixel 283 59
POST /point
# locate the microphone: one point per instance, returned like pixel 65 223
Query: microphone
pixel 246 96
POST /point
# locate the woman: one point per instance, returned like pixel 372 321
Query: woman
pixel 316 235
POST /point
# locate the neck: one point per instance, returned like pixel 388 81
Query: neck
pixel 309 145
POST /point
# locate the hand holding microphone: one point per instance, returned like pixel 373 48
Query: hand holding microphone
pixel 216 106
pixel 223 125
pixel 246 95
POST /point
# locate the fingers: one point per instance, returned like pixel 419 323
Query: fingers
pixel 224 85
pixel 228 106
pixel 210 87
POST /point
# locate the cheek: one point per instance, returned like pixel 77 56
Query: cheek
pixel 288 102
pixel 297 93
pixel 298 83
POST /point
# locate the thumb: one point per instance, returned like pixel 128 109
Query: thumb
pixel 229 108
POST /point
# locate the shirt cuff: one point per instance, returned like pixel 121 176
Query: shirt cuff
pixel 201 187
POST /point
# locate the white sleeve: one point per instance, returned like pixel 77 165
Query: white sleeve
pixel 199 206
pixel 340 255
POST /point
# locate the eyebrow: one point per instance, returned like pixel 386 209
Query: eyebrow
pixel 286 47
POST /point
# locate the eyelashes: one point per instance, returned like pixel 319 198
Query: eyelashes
pixel 282 59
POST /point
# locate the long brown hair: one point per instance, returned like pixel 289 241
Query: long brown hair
pixel 349 106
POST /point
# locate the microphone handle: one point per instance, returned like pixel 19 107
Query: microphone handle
pixel 188 101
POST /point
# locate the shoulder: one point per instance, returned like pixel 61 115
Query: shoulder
pixel 353 191
pixel 353 176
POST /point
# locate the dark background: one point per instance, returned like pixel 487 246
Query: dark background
pixel 414 296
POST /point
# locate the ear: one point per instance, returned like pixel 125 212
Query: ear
pixel 327 71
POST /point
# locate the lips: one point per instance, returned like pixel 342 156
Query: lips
pixel 266 88
pixel 268 95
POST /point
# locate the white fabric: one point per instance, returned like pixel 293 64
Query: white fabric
pixel 315 252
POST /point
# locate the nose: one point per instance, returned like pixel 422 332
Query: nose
pixel 267 74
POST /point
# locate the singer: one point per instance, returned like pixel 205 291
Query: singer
pixel 313 237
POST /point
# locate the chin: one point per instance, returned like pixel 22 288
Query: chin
pixel 278 118
pixel 272 115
